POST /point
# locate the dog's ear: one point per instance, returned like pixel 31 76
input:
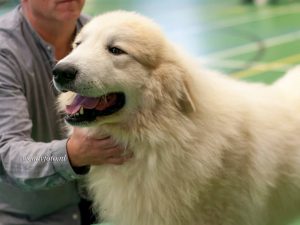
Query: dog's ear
pixel 177 85
pixel 186 102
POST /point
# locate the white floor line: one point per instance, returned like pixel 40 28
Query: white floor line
pixel 236 64
pixel 269 42
pixel 251 18
pixel 264 14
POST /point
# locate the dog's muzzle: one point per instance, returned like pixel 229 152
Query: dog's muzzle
pixel 85 109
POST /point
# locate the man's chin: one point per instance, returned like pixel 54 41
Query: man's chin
pixel 69 10
pixel 67 16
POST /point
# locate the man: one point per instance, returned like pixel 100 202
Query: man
pixel 38 168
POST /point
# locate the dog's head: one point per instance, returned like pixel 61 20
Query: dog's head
pixel 120 64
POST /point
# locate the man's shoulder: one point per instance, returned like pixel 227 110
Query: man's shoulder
pixel 12 33
pixel 10 21
pixel 10 27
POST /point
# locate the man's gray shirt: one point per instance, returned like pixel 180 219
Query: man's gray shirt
pixel 36 178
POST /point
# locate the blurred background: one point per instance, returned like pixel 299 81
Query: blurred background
pixel 252 40
pixel 255 41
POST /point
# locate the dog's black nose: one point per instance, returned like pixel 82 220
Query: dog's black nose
pixel 64 73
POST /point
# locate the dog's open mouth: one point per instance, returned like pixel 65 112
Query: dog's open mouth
pixel 84 110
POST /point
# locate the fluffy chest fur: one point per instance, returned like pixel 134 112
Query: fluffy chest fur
pixel 216 168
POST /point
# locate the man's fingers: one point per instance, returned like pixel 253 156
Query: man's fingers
pixel 106 143
pixel 116 161
pixel 86 150
pixel 112 152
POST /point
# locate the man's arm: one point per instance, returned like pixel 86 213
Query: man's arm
pixel 37 165
pixel 26 163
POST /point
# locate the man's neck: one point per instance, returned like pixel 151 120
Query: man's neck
pixel 59 35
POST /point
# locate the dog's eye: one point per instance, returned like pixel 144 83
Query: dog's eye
pixel 116 51
pixel 77 43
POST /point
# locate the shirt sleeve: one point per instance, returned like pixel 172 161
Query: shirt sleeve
pixel 23 162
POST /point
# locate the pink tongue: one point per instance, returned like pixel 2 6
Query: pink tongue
pixel 100 103
pixel 86 102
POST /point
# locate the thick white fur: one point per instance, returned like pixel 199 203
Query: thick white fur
pixel 208 150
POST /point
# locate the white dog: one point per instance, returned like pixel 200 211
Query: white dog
pixel 208 150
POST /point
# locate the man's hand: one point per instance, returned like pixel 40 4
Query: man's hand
pixel 83 150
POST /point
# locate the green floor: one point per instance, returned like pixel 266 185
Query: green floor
pixel 244 41
pixel 248 42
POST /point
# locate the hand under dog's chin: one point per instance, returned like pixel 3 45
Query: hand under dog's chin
pixel 95 132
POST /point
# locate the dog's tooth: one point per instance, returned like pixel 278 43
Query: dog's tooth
pixel 81 110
